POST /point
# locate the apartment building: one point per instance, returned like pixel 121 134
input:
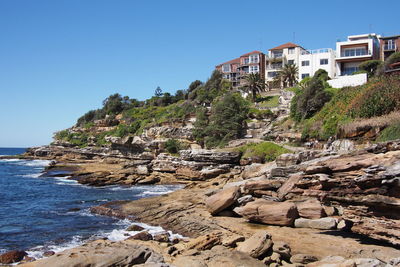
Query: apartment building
pixel 288 53
pixel 357 49
pixel 388 45
pixel 308 61
pixel 230 71
pixel 235 70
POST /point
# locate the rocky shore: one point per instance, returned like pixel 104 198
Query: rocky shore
pixel 309 208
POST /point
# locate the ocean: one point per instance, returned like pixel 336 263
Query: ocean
pixel 39 213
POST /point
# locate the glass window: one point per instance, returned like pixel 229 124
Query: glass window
pixel 304 75
pixel 226 68
pixel 291 50
pixel 254 58
pixel 254 69
pixel 290 62
pixel 323 61
pixel 305 63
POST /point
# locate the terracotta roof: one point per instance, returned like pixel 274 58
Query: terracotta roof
pixel 253 52
pixel 287 45
pixel 236 60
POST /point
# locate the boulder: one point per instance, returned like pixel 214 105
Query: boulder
pixel 257 245
pixel 326 223
pixel 288 159
pixel 303 258
pixel 12 256
pixel 144 236
pixel 161 237
pixel 268 212
pixel 282 249
pixel 204 242
pixel 222 200
pixel 251 186
pixel 311 209
pixel 135 228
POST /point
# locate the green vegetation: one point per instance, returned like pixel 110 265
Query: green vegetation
pixel 390 133
pixel 287 76
pixel 380 96
pixel 255 84
pixel 370 67
pixel 312 98
pixel 268 101
pixel 224 123
pixel 78 139
pixel 173 146
pixel 266 151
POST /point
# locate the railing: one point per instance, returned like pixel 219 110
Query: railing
pixel 316 51
pixel 276 55
pixel 387 47
pixel 274 66
pixel 355 53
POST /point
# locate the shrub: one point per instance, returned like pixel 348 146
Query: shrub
pixel 173 146
pixel 266 150
pixel 370 67
pixel 390 133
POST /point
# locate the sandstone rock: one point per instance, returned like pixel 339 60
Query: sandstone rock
pixel 326 223
pixel 289 185
pixel 222 200
pixel 245 199
pixel 149 180
pixel 231 240
pixel 12 256
pixel 313 169
pixel 251 186
pixel 48 253
pixel 334 261
pixel 363 262
pixel 303 258
pixel 216 257
pixel 144 236
pixel 101 253
pixel 283 171
pixel 134 228
pixel 311 209
pixel 257 170
pixel 275 213
pixel 257 245
pixel 210 156
pixel 283 249
pixel 344 225
pixel 330 211
pixel 162 237
pixel 286 160
pixel 204 242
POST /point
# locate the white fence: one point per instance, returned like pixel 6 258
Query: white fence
pixel 351 80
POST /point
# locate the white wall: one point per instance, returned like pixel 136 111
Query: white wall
pixel 351 80
pixel 315 65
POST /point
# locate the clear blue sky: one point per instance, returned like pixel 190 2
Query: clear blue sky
pixel 61 58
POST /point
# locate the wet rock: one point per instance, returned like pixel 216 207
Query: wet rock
pixel 268 212
pixel 161 237
pixel 222 200
pixel 135 228
pixel 144 236
pixel 326 223
pixel 48 253
pixel 311 209
pixel 257 245
pixel 12 256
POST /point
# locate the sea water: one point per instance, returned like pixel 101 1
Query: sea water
pixel 39 212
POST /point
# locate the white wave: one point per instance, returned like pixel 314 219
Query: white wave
pixel 36 163
pixel 32 175
pixel 10 160
pixel 37 252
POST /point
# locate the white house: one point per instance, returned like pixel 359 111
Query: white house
pixel 357 48
pixel 312 60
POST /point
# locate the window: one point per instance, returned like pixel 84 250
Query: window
pixel 254 58
pixel 290 62
pixel 305 63
pixel 226 68
pixel 272 74
pixel 291 50
pixel 254 69
pixel 304 75
pixel 323 61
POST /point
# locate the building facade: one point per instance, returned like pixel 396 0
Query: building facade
pixel 389 45
pixel 236 70
pixel 357 49
pixel 312 60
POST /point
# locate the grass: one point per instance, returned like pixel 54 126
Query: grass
pixel 390 133
pixel 268 101
pixel 267 151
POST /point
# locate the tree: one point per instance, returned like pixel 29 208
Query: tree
pixel 254 84
pixel 370 67
pixel 194 85
pixel 288 75
pixel 158 92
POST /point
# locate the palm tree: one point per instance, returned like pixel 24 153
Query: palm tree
pixel 255 84
pixel 288 75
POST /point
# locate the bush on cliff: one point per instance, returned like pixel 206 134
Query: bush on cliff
pixel 312 98
pixel 225 122
pixel 266 151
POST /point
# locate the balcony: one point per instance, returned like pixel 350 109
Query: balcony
pixel 274 66
pixel 355 53
pixel 389 47
pixel 316 51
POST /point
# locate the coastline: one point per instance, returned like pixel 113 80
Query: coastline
pixel 210 237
